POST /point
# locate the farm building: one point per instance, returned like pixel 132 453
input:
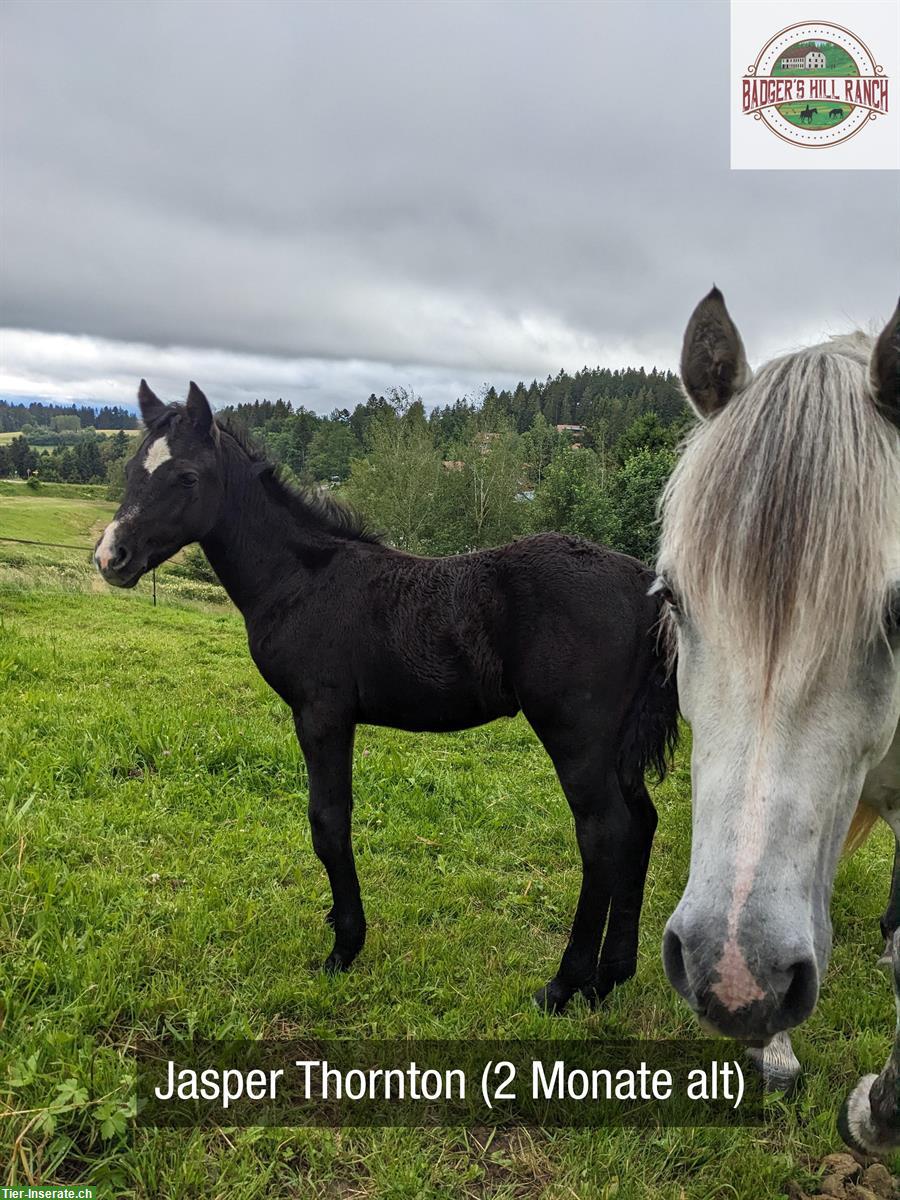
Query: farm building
pixel 806 58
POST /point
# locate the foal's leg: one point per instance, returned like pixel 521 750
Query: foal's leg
pixel 329 754
pixel 601 825
pixel 618 958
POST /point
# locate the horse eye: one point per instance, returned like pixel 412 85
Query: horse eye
pixel 188 478
pixel 663 589
pixel 892 613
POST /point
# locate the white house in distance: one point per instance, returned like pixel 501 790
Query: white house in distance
pixel 803 58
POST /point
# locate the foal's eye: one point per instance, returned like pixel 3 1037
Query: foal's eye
pixel 188 479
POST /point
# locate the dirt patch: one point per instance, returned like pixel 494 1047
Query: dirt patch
pixel 505 1160
pixel 846 1179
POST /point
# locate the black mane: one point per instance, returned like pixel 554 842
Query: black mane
pixel 307 506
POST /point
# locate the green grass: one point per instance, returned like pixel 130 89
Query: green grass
pixel 58 491
pixel 73 515
pixel 157 874
pixel 43 517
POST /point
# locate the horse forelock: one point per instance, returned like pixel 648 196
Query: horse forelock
pixel 781 520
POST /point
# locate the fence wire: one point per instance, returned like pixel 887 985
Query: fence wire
pixel 64 546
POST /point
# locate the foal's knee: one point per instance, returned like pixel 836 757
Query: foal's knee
pixel 330 828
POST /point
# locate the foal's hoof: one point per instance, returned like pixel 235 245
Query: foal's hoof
pixel 342 956
pixel 609 976
pixel 336 962
pixel 553 998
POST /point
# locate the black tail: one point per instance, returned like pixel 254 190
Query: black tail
pixel 650 730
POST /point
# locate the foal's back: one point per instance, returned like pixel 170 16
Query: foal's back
pixel 448 643
pixel 581 629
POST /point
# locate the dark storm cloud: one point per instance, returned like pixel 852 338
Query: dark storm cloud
pixel 478 188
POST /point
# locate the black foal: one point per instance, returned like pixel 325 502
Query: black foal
pixel 348 630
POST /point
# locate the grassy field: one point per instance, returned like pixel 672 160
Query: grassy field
pixel 72 515
pixel 58 491
pixel 157 875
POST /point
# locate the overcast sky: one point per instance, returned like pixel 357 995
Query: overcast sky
pixel 316 201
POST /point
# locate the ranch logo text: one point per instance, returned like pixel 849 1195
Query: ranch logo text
pixel 815 85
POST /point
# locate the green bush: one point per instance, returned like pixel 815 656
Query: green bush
pixel 195 565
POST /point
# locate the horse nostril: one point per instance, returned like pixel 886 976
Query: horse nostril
pixel 802 991
pixel 120 558
pixel 673 962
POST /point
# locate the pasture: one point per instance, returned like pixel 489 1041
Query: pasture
pixel 158 876
pixel 73 514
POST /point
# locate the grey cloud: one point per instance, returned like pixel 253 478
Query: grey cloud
pixel 61 367
pixel 479 189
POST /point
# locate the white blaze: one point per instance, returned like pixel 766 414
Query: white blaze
pixel 107 547
pixel 158 453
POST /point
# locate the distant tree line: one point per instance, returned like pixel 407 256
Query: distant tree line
pixel 88 457
pixel 16 417
pixel 585 453
pixel 603 402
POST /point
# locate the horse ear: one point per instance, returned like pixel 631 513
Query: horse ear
pixel 198 409
pixel 713 363
pixel 151 406
pixel 884 370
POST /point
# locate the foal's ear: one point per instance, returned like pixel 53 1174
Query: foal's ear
pixel 151 406
pixel 713 363
pixel 198 410
pixel 884 369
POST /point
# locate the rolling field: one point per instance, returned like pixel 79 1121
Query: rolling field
pixel 39 517
pixel 73 515
pixel 157 875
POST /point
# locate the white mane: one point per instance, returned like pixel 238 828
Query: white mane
pixel 781 521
